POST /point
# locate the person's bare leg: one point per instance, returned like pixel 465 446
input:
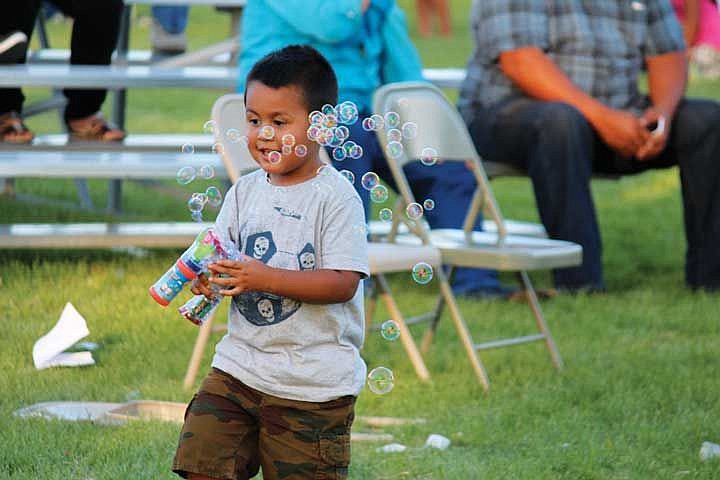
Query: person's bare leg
pixel 424 9
pixel 442 11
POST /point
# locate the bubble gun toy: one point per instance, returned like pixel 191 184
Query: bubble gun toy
pixel 206 249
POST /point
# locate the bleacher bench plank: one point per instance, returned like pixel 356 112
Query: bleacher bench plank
pixel 132 57
pixel 138 76
pixel 157 142
pixel 116 165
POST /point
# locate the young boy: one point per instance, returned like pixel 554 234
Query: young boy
pixel 282 388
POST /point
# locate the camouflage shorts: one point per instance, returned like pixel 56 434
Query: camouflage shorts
pixel 231 430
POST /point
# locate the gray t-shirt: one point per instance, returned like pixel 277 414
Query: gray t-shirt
pixel 278 345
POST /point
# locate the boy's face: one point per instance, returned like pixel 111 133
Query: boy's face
pixel 284 110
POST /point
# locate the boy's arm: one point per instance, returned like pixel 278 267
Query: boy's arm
pixel 314 286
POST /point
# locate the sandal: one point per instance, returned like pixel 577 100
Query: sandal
pixel 94 128
pixel 13 130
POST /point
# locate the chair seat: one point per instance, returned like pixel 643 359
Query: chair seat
pixel 518 252
pixel 379 229
pixel 389 258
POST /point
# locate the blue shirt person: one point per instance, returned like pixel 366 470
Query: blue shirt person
pixel 367 44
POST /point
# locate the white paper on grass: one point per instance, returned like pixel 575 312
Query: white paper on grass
pixel 49 349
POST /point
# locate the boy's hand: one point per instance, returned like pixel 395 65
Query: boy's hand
pixel 201 286
pixel 246 275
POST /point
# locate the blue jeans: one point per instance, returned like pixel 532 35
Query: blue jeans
pixel 560 151
pixel 172 18
pixel 450 185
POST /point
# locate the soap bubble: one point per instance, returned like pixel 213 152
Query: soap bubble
pixel 207 172
pixel 197 202
pixel 429 156
pixel 328 109
pixel 288 139
pixel 380 380
pixel 370 180
pixel 287 150
pixel 214 197
pixel 274 157
pixel 385 215
pixel 188 148
pixel 422 273
pixel 409 130
pixel 185 175
pixel 414 211
pixel 394 149
pixel 379 194
pixel 339 154
pixel 429 204
pixel 331 121
pixel 342 132
pixel 392 120
pixel 347 113
pixel 209 126
pixel 218 148
pixel 356 152
pixel 394 135
pixel 323 169
pixel 350 176
pixel 233 135
pixel 316 117
pixel 267 132
pixel 378 120
pixel 368 124
pixel 300 150
pixel 196 216
pixel 313 132
pixel 333 140
pixel 390 330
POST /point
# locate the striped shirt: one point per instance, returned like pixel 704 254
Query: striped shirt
pixel 601 45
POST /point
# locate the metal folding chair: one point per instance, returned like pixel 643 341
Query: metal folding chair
pixel 441 127
pixel 229 113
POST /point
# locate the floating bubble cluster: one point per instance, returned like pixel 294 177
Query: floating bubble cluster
pixel 422 273
pixel 381 380
pixel 390 330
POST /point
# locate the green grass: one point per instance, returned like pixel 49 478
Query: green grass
pixel 638 396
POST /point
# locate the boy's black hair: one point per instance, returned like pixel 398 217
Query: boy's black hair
pixel 301 66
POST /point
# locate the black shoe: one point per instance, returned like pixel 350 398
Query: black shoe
pixel 12 47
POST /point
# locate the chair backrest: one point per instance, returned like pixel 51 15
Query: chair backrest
pixel 441 127
pixel 228 113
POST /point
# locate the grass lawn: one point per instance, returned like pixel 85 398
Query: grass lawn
pixel 638 396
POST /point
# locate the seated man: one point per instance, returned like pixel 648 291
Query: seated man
pixel 552 88
pixel 367 45
pixel 95 33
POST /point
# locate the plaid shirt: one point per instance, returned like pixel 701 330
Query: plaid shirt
pixel 600 44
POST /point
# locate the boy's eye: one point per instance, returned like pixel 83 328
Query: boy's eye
pixel 279 123
pixel 253 121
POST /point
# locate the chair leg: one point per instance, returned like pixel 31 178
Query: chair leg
pixel 435 317
pixel 463 331
pixel 432 328
pixel 540 320
pixel 370 310
pixel 405 335
pixel 197 354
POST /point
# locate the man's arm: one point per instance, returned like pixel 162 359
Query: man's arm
pixel 539 77
pixel 667 79
pixel 692 21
